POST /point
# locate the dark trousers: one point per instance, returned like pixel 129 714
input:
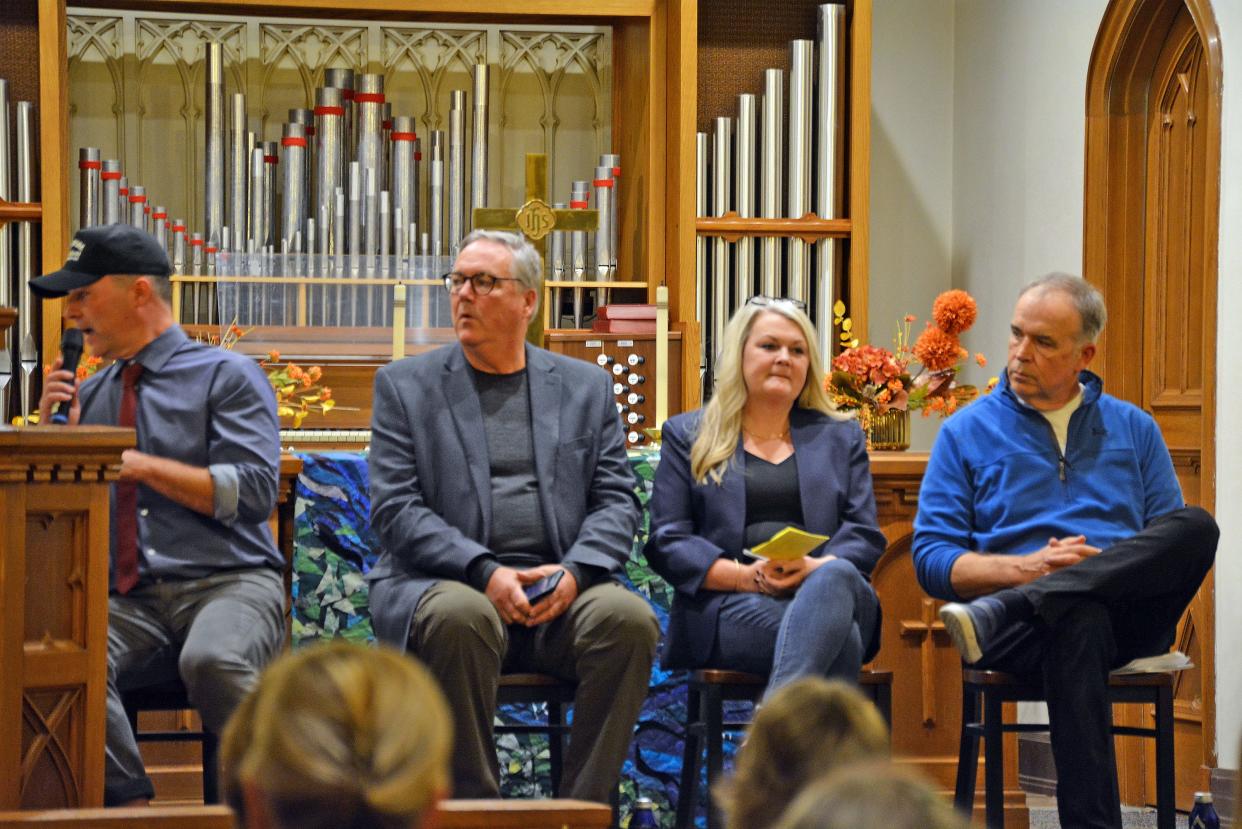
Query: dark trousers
pixel 1093 617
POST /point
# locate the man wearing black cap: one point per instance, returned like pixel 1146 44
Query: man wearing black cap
pixel 196 586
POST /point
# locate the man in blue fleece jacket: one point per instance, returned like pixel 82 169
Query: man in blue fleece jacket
pixel 1051 517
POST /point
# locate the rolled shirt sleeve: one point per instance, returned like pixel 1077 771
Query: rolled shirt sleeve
pixel 224 492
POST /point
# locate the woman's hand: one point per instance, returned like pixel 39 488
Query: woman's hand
pixel 727 575
pixel 783 578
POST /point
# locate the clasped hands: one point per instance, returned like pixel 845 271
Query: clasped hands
pixel 777 578
pixel 1057 554
pixel 504 590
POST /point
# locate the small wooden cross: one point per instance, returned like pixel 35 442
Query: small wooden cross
pixel 535 219
pixel 927 631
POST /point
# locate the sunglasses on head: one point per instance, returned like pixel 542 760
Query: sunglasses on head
pixel 763 301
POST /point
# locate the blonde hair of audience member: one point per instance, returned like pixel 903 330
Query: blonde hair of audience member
pixel 805 729
pixel 722 416
pixel 870 794
pixel 341 736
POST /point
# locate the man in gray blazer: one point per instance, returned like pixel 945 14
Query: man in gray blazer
pixel 496 469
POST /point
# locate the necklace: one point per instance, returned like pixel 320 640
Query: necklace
pixel 780 436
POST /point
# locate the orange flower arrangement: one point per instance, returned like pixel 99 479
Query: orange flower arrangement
pixel 873 379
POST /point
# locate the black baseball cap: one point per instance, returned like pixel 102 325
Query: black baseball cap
pixel 100 251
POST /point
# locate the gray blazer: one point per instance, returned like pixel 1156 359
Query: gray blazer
pixel 430 479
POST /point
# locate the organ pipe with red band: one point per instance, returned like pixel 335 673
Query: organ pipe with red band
pixel 602 185
pixel 89 187
pixel 402 180
pixel 369 105
pixel 579 196
pixel 293 187
pixel 271 173
pixel 343 79
pixel 110 198
pixel 613 162
pixel 329 173
pixel 137 206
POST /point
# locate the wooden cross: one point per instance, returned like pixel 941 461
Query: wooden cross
pixel 535 219
pixel 926 631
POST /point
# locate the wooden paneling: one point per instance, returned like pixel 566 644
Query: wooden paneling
pixel 522 814
pixel 53 633
pixel 194 817
pixel 1150 239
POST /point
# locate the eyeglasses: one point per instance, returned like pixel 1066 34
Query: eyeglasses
pixel 764 301
pixel 482 282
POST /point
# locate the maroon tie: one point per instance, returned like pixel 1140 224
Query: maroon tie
pixel 125 519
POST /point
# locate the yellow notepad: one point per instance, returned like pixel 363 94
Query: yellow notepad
pixel 788 544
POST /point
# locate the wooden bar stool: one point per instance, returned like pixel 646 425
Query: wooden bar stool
pixel 708 690
pixel 556 693
pixel 985 692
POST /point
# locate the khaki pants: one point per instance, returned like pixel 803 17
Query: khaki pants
pixel 605 641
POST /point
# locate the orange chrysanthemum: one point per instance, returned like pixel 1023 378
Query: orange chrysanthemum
pixel 937 350
pixel 954 311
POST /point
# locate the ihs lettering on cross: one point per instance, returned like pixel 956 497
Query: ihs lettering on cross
pixel 535 219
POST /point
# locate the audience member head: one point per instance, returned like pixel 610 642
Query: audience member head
pixel 1052 339
pixel 803 730
pixel 338 736
pixel 751 342
pixel 870 794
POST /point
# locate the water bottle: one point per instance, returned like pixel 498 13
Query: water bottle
pixel 644 815
pixel 1203 815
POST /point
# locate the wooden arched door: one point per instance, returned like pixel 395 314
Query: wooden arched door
pixel 1150 244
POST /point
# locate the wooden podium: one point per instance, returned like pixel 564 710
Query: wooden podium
pixel 54 625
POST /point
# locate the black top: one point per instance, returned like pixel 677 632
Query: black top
pixel 773 498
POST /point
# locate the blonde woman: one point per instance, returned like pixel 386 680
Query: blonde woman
pixel 339 736
pixel 764 454
pixel 804 731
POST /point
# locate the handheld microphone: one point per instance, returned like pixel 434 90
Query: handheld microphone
pixel 71 353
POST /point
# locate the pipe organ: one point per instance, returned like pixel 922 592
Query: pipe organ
pixel 781 157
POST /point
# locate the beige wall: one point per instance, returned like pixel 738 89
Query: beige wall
pixel 911 166
pixel 1229 400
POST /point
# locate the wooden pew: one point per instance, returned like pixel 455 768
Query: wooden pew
pixel 453 814
pixel 523 814
pixel 155 817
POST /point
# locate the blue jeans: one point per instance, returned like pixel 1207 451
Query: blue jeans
pixel 822 630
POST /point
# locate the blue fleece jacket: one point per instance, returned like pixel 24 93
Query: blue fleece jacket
pixel 997 483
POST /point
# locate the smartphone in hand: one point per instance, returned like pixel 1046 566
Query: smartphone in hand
pixel 543 588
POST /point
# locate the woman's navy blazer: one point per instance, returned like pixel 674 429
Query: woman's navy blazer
pixel 693 524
